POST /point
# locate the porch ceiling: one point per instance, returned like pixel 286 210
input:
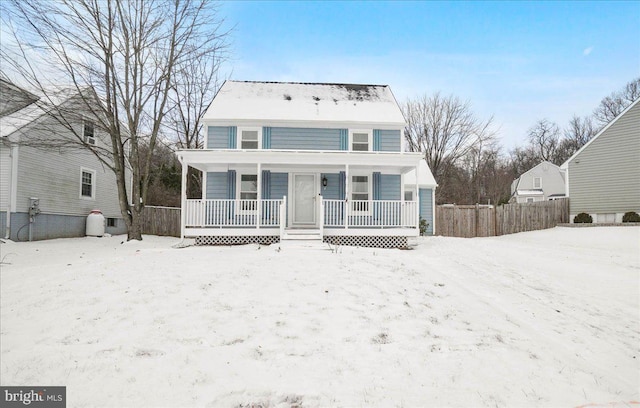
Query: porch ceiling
pixel 214 160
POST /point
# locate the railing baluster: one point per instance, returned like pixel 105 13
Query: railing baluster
pixel 244 213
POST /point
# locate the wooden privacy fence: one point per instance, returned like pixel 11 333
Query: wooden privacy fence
pixel 468 221
pixel 161 221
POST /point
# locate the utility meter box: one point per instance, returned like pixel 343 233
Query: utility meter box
pixel 34 206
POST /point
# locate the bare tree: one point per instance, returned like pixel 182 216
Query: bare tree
pixel 544 138
pixel 121 56
pixel 445 130
pixel 523 159
pixel 577 134
pixel 195 84
pixel 612 105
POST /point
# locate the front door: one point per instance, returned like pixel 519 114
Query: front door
pixel 304 200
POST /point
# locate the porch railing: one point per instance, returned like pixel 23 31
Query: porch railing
pixel 232 213
pixel 377 213
pixel 334 213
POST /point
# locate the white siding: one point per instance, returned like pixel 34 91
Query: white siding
pixel 54 176
pixel 603 177
pixel 552 181
pixel 5 175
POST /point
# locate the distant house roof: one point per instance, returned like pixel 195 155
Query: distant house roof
pixel 565 165
pixel 425 177
pixel 305 102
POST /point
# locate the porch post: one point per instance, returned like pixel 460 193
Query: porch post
pixel 259 197
pixel 347 188
pixel 204 186
pixel 183 208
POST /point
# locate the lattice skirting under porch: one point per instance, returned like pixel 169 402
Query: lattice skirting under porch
pixel 240 240
pixel 367 241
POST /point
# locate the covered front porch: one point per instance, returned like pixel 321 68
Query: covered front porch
pixel 288 194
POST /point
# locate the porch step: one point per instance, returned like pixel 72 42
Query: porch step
pixel 302 234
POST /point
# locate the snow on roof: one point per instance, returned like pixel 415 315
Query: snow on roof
pixel 425 177
pixel 299 102
pixel 20 118
pixel 16 120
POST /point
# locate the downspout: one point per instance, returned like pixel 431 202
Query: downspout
pixel 7 233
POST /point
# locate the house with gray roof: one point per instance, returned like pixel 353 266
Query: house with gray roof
pixel 306 161
pixel 47 190
pixel 602 178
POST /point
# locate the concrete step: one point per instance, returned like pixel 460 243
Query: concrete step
pixel 302 234
pixel 301 237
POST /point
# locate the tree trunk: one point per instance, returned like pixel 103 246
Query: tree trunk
pixel 135 230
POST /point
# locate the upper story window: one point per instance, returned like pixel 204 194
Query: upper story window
pixel 537 182
pixel 249 138
pixel 360 140
pixel 87 184
pixel 89 132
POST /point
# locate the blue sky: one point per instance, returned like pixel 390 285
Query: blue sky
pixel 518 61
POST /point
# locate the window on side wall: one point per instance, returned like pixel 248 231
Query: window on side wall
pixel 249 139
pixel 248 191
pixel 530 199
pixel 89 132
pixel 87 184
pixel 537 182
pixel 360 193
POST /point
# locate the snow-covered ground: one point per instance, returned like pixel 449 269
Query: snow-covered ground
pixel 546 318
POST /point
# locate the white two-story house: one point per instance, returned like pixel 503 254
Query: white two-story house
pixel 47 191
pixel 306 160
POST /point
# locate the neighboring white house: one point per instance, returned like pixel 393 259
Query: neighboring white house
pixel 603 177
pixel 306 160
pixel 541 183
pixel 48 193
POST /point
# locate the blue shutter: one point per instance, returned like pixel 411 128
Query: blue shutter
pixel 266 184
pixel 231 184
pixel 233 144
pixel 376 140
pixel 376 186
pixel 266 138
pixel 341 186
pixel 344 139
pixel 376 195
